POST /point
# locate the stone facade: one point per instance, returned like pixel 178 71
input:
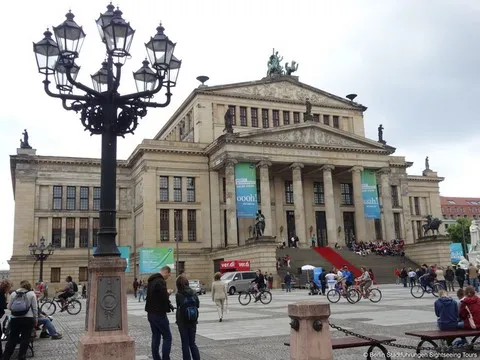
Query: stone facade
pixel 181 185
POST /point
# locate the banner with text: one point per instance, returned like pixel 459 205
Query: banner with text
pixel 370 195
pixel 246 190
pixel 153 259
pixel 456 252
pixel 124 254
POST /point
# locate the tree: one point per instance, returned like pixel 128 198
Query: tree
pixel 460 231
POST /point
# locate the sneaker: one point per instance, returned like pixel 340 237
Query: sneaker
pixel 220 320
pixel 44 335
pixel 56 337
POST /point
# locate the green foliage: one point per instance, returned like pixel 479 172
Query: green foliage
pixel 454 231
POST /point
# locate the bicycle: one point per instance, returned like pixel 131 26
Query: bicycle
pixel 334 295
pixel 418 291
pixel 263 295
pixel 373 294
pixel 73 306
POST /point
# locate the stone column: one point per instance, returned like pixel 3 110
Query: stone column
pixel 389 231
pixel 330 212
pixel 231 203
pixel 215 188
pixel 310 331
pixel 63 240
pixel 360 229
pixel 265 196
pixel 298 203
pixel 149 194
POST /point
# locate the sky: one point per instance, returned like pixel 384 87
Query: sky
pixel 414 64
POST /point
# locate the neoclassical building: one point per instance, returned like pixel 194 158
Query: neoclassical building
pixel 180 185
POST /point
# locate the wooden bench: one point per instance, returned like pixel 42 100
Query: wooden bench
pixel 353 342
pixel 430 336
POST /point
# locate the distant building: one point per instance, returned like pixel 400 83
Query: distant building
pixel 458 207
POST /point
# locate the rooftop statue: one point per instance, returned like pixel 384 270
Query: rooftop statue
pixel 24 143
pixel 228 122
pixel 427 164
pixel 290 69
pixel 273 65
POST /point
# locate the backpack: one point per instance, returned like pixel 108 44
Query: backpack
pixel 190 309
pixel 20 305
pixel 75 286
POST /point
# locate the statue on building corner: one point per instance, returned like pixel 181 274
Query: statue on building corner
pixel 475 235
pixel 273 65
pixel 308 111
pixel 24 143
pixel 259 227
pixel 427 163
pixel 380 134
pixel 291 69
pixel 228 122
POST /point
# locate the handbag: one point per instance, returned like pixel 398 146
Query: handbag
pixel 470 318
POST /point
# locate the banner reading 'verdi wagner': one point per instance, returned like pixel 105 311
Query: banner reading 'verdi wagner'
pixel 246 190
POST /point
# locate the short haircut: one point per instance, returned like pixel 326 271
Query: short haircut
pixel 26 285
pixel 469 291
pixel 460 293
pixel 442 293
pixel 217 276
pixel 166 268
pixel 69 278
pixel 5 285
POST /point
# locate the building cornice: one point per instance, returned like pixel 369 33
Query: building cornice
pixel 425 178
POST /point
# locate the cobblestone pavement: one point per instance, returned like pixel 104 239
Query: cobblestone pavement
pixel 258 331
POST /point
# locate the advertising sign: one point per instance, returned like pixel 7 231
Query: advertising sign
pixel 124 254
pixel 153 259
pixel 456 252
pixel 234 265
pixel 246 190
pixel 370 195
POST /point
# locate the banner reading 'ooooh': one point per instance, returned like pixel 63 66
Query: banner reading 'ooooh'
pixel 246 190
pixel 370 195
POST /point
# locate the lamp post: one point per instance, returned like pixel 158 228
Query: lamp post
pixel 105 112
pixel 41 253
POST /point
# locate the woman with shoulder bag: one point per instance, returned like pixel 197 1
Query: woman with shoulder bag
pixel 469 310
pixel 187 318
pixel 219 295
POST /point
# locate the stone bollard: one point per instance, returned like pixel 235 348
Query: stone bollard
pixel 310 331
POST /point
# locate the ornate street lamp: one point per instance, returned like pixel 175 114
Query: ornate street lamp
pixel 41 253
pixel 104 111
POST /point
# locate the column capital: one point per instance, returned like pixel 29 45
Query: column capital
pixel 264 164
pixel 384 171
pixel 327 167
pixel 356 168
pixel 296 166
pixel 230 162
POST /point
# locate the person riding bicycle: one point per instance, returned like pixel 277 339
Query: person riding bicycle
pixel 428 278
pixel 258 284
pixel 68 291
pixel 347 276
pixel 365 281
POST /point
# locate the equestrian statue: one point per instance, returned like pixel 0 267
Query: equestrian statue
pixel 432 224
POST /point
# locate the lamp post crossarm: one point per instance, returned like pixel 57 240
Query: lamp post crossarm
pixel 79 85
pixel 161 105
pixel 148 93
pixel 46 83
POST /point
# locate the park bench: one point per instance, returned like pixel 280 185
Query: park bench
pixel 429 336
pixel 6 333
pixel 354 342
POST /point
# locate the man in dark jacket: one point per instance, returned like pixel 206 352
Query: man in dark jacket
pixel 323 281
pixel 157 306
pixel 460 275
pixel 446 310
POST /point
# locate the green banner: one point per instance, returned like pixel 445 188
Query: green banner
pixel 246 190
pixel 371 206
pixel 153 259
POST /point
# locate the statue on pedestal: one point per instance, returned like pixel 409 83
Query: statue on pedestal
pixel 427 163
pixel 380 135
pixel 463 263
pixel 259 227
pixel 308 111
pixel 273 65
pixel 474 235
pixel 290 69
pixel 432 224
pixel 24 143
pixel 228 122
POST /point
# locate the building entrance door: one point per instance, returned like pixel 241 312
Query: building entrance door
pixel 321 221
pixel 290 224
pixel 349 226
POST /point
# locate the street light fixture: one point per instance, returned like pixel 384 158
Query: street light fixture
pixel 41 253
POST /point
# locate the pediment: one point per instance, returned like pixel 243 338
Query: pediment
pixel 311 134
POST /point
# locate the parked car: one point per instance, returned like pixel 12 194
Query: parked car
pixel 238 281
pixel 197 286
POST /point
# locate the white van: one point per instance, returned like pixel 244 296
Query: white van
pixel 238 281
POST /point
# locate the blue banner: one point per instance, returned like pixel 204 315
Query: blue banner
pixel 456 252
pixel 316 273
pixel 246 190
pixel 124 254
pixel 371 206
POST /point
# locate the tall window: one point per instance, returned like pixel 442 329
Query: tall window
pixel 71 197
pixel 326 119
pixel 316 117
pixel 419 229
pixel 190 189
pixel 163 188
pixel 347 194
pixel 396 225
pixel 318 193
pixel 289 192
pixel 231 108
pixel 57 198
pixel 243 116
pixel 296 117
pixel 416 204
pixel 57 232
pixel 164 224
pixel 259 192
pixel 83 232
pixel 178 226
pixel 378 229
pixel 254 117
pixel 55 274
pixel 96 198
pixel 83 198
pixel 192 225
pixel 224 189
pixel 265 123
pixel 83 273
pixel 395 202
pixel 95 227
pixel 336 121
pixel 276 118
pixel 286 118
pixel 70 233
pixel 177 189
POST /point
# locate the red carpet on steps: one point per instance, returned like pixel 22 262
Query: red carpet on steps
pixel 336 259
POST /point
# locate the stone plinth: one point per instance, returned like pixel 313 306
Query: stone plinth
pixel 26 151
pixel 261 240
pixel 433 249
pixel 106 320
pixel 310 334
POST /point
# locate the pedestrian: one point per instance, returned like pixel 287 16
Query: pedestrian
pixel 187 318
pixel 288 282
pixel 449 277
pixel 5 287
pixel 219 295
pixel 412 275
pixel 441 277
pixel 135 287
pixel 323 281
pixel 142 287
pixel 314 240
pixel 404 277
pixel 270 281
pixel 460 275
pixel 23 307
pixel 396 272
pixel 157 306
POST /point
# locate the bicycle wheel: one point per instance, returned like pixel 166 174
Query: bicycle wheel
pixel 353 296
pixel 244 298
pixel 74 307
pixel 436 289
pixel 48 307
pixel 333 296
pixel 266 297
pixel 375 295
pixel 417 291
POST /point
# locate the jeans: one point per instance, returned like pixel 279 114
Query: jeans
pixel 460 282
pixel 20 332
pixel 474 283
pixel 160 328
pixel 450 286
pixel 288 287
pixel 141 295
pixel 187 335
pixel 47 323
